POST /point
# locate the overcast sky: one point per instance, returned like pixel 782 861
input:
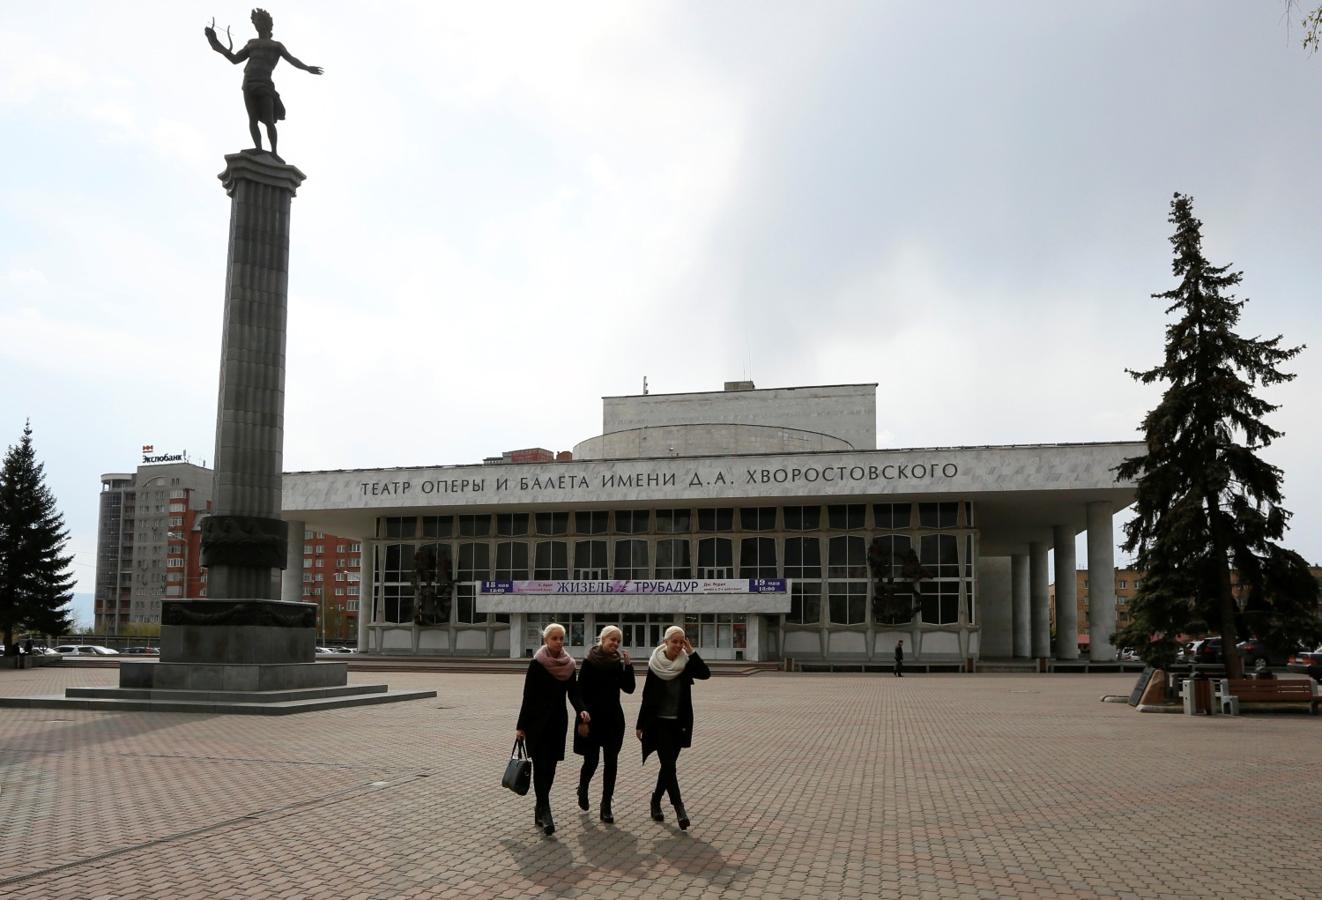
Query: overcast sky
pixel 513 209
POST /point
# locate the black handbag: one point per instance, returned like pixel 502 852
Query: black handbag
pixel 518 771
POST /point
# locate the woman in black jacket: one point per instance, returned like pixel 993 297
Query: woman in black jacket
pixel 665 720
pixel 605 672
pixel 542 720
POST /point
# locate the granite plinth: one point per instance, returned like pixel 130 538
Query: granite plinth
pixel 220 677
pixel 238 632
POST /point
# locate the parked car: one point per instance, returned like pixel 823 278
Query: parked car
pixel 1305 659
pixel 85 650
pixel 140 651
pixel 1206 651
pixel 1253 650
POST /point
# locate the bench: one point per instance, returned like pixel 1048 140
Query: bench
pixel 1231 692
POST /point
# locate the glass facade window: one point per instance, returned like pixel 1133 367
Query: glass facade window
pixel 552 523
pixel 591 522
pixel 573 623
pixel 940 602
pixel 939 554
pixel 435 527
pixel 757 558
pixel 892 516
pixel 847 557
pixel 551 561
pixel 590 561
pixel 715 558
pixel 632 521
pixel 398 526
pixel 474 526
pixel 938 515
pixel 716 519
pixel 848 602
pixel 511 561
pixel 848 517
pixel 511 524
pixel 716 631
pixel 673 521
pixel 758 518
pixel 672 559
pixel 803 518
pixel 631 559
pixel 803 566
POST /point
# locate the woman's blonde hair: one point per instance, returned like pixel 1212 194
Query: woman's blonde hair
pixel 609 629
pixel 673 629
pixel 554 626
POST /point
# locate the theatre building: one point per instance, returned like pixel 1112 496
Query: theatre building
pixel 745 515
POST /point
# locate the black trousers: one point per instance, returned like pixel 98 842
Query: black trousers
pixel 590 759
pixel 543 776
pixel 899 667
pixel 667 751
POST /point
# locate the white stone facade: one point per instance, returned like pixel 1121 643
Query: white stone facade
pixel 965 511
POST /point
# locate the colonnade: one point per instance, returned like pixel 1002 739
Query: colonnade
pixel 1026 631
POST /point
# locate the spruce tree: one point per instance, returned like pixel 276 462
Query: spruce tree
pixel 1207 505
pixel 35 580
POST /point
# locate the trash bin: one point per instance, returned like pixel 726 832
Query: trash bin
pixel 1198 695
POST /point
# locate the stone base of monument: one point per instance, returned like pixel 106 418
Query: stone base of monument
pixel 255 657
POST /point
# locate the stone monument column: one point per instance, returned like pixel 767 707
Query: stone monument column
pixel 244 539
pixel 291 584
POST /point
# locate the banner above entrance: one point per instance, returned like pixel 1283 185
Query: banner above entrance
pixel 641 586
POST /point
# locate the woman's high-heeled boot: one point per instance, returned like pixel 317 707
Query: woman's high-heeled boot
pixel 538 812
pixel 582 791
pixel 548 824
pixel 606 811
pixel 682 815
pixel 657 815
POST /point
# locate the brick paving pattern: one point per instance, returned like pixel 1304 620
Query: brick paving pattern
pixel 798 785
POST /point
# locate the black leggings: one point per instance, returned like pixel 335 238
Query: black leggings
pixel 667 751
pixel 543 776
pixel 594 752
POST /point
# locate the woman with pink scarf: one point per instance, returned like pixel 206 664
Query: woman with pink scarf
pixel 542 719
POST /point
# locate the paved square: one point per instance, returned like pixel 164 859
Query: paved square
pixel 798 786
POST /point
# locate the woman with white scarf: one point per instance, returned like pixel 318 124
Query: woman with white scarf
pixel 542 720
pixel 665 719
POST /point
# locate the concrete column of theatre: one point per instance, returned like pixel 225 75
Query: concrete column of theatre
pixel 291 580
pixel 1039 600
pixel 366 607
pixel 1101 582
pixel 1067 595
pixel 995 612
pixel 1019 600
pixel 244 540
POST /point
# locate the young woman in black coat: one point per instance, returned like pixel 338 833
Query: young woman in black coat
pixel 542 720
pixel 665 720
pixel 605 672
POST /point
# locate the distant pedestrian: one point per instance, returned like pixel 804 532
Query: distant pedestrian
pixel 665 719
pixel 542 721
pixel 606 671
pixel 899 659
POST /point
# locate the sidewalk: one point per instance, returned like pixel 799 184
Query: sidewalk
pixel 798 786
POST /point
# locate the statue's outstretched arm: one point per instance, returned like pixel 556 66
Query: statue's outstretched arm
pixel 228 53
pixel 297 63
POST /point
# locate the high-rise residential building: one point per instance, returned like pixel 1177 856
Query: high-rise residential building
pixel 332 578
pixel 149 541
pixel 149 547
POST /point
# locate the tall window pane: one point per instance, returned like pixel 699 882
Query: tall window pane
pixel 715 519
pixel 758 518
pixel 672 559
pixel 715 558
pixel 631 559
pixel 802 518
pixel 757 558
pixel 590 560
pixel 551 561
pixel 632 521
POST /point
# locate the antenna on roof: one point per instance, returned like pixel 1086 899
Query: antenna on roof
pixel 644 385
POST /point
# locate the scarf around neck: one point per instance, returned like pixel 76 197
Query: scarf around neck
pixel 600 658
pixel 667 669
pixel 562 666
